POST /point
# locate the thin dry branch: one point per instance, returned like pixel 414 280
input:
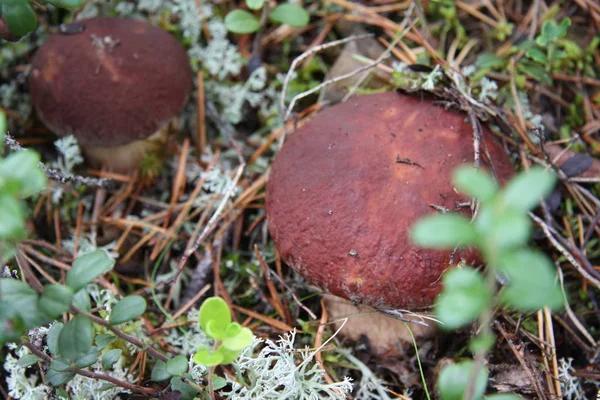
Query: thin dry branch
pixel 300 58
pixel 59 176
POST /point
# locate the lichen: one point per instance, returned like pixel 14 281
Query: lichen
pixel 22 385
pixel 276 374
pixel 84 388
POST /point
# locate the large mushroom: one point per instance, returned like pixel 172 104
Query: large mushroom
pixel 115 84
pixel 347 186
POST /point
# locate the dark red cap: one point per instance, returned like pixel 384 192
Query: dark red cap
pixel 117 81
pixel 346 188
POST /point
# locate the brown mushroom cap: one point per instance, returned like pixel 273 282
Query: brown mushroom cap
pixel 342 196
pixel 118 81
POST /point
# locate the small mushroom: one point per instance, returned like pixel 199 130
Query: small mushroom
pixel 115 84
pixel 380 162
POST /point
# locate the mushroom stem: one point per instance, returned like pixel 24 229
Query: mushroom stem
pixel 383 332
pixel 128 157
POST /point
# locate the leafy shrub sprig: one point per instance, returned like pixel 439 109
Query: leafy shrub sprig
pixel 500 232
pixel 242 21
pixel 20 16
pixel 20 178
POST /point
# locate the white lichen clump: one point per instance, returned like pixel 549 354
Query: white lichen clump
pixel 84 388
pixel 370 386
pixel 69 156
pixel 189 338
pixel 20 384
pixel 569 384
pixel 275 374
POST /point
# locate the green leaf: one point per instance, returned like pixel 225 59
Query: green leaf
pixel 534 70
pixel 504 396
pixel 22 168
pixel 52 338
pixel 23 301
pixel 111 357
pixel 489 60
pixel 454 379
pixel 503 229
pixel 290 14
pixel 17 292
pixel 11 325
pixel 532 281
pixel 444 231
pixel 475 182
pixel 527 189
pixel 217 381
pixel 214 309
pixel 177 366
pixel 463 298
pixel 62 394
pixel 240 21
pixel 20 17
pixel 85 360
pixel 59 365
pixel 255 4
pixel 187 392
pixel 81 300
pixel 70 4
pixel 215 330
pixel 483 342
pixel 104 340
pixel 55 378
pixel 28 360
pixel 208 358
pixel 55 300
pixel 12 217
pixel 76 338
pixel 240 341
pixel 159 372
pixel 551 31
pixel 537 55
pixel 233 329
pixel 525 45
pixel 228 356
pixel 127 309
pixel 88 267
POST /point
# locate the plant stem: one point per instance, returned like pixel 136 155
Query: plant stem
pixel 148 349
pixel 418 361
pixel 485 320
pixel 94 375
pixel 59 176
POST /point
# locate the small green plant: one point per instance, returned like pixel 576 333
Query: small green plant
pixel 215 321
pixel 20 178
pixel 242 21
pixel 20 16
pixel 22 309
pixel 99 342
pixel 550 52
pixel 500 232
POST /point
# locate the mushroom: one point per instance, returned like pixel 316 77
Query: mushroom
pixel 347 186
pixel 115 84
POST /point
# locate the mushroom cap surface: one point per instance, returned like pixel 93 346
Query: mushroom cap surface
pixel 342 196
pixel 117 81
